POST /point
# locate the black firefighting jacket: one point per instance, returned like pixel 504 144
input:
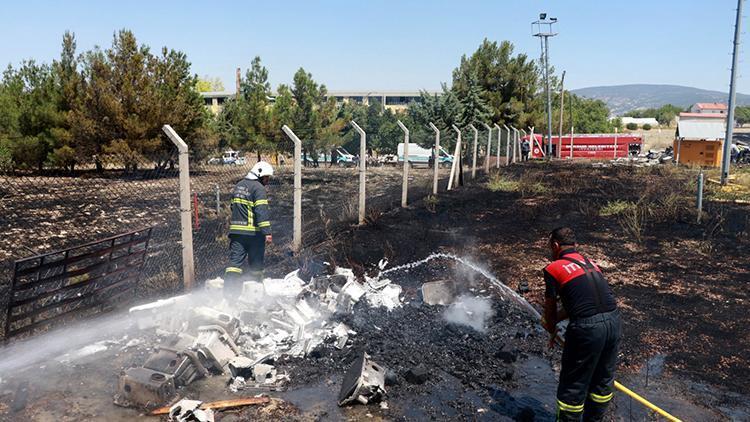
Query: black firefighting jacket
pixel 250 210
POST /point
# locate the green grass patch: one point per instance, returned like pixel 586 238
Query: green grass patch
pixel 498 183
pixel 616 208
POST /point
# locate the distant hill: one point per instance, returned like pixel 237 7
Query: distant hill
pixel 624 98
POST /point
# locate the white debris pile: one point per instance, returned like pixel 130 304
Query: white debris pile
pixel 205 334
pixel 190 411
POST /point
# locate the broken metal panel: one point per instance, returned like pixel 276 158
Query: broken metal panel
pixel 183 367
pixel 59 285
pixel 203 315
pixel 441 292
pixel 215 347
pixel 364 382
pixel 144 388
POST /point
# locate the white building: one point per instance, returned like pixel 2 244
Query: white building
pixel 640 121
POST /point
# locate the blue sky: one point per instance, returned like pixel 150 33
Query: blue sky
pixel 376 45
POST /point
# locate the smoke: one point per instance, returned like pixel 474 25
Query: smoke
pixel 80 338
pixel 470 311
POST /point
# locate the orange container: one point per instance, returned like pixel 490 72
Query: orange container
pixel 699 153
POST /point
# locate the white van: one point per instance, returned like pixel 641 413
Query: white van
pixel 420 157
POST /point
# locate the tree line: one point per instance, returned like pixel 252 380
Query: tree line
pixel 107 106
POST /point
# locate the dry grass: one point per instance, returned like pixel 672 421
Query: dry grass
pixel 431 202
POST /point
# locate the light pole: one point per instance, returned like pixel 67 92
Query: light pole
pixel 732 96
pixel 543 29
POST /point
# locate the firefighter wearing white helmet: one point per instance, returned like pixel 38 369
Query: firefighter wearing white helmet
pixel 249 229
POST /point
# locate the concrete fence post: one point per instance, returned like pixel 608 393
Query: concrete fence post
pixel 186 223
pixel 405 182
pixel 297 219
pixel 362 170
pixel 218 200
pixel 572 130
pixel 436 161
pixel 456 157
pixel 507 144
pixel 499 139
pixel 487 154
pixel 700 195
pixel 615 155
pixel 532 141
pixel 474 158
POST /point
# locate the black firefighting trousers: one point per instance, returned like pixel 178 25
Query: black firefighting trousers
pixel 243 247
pixel 588 367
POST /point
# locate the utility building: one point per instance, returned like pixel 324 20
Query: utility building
pixel 700 135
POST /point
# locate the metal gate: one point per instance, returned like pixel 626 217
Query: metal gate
pixel 77 281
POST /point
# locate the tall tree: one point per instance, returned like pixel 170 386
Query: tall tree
pixel 509 84
pixel 247 117
pixel 128 94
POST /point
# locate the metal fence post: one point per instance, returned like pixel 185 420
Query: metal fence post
pixel 362 170
pixel 186 231
pixel 297 225
pixel 405 182
pixel 700 195
pixel 474 158
pixel 456 157
pixel 436 161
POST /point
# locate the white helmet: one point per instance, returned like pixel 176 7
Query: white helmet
pixel 260 169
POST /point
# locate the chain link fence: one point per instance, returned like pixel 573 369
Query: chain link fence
pixel 46 213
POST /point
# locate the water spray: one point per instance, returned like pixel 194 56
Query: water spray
pixel 510 293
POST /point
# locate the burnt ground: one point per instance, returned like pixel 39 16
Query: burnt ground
pixel 681 288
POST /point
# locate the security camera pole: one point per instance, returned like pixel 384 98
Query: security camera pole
pixel 543 29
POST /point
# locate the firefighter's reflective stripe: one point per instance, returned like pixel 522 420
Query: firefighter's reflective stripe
pixel 601 399
pixel 250 203
pixel 250 209
pixel 233 270
pixel 569 407
pixel 249 228
pixel 242 201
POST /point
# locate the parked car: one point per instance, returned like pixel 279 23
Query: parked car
pixel 233 158
pixel 339 156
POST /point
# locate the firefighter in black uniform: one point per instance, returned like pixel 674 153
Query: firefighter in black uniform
pixel 593 335
pixel 249 229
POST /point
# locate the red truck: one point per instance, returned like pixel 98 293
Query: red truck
pixel 593 146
